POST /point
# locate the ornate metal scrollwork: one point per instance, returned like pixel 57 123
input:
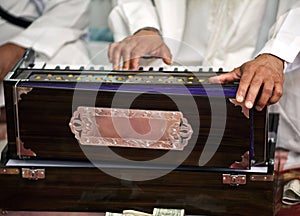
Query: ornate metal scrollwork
pixel 131 128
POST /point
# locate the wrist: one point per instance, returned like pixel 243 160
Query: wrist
pixel 18 51
pixel 147 31
pixel 280 61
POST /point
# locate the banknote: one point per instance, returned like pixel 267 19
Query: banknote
pixel 113 214
pixel 135 213
pixel 168 212
pixel 291 192
pixel 156 212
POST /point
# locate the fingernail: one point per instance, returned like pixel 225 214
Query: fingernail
pixel 249 105
pixel 240 99
pixel 258 108
pixel 214 80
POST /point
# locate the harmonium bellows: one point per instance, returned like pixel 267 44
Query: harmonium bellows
pixel 151 118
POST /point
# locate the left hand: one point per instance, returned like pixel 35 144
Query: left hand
pixel 134 47
pixel 265 72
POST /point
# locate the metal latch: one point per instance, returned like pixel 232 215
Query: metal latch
pixel 234 180
pixel 33 174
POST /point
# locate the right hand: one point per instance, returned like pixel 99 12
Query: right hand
pixel 133 48
pixel 265 72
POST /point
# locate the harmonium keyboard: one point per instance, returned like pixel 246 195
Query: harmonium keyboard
pixel 88 138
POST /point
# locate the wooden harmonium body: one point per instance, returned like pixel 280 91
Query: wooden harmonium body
pixel 95 139
pixel 166 116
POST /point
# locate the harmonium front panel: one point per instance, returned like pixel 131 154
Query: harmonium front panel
pixel 163 116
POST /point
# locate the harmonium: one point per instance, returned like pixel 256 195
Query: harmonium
pixel 92 139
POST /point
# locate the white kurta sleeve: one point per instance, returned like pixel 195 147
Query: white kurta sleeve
pixel 284 41
pixel 128 16
pixel 62 22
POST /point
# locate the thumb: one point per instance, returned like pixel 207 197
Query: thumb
pixel 167 61
pixel 166 55
pixel 214 80
pixel 226 77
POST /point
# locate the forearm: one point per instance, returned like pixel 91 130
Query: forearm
pixel 285 36
pixel 9 55
pixel 61 22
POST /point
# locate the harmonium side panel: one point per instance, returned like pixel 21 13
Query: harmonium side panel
pixel 89 189
pixel 44 115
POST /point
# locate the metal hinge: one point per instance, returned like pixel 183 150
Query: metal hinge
pixel 33 174
pixel 234 180
pixel 9 171
pixel 264 178
pixel 3 212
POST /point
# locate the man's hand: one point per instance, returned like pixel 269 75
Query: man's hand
pixel 9 56
pixel 265 72
pixel 133 48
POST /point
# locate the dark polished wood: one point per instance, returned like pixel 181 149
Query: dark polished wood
pixel 89 189
pixel 44 116
pixel 40 118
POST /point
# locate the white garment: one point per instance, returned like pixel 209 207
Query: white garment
pixel 233 27
pixel 288 107
pixel 56 33
pixel 226 33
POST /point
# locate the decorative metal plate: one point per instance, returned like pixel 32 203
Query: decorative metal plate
pixel 130 128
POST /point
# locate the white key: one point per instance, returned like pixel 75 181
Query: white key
pixel 38 65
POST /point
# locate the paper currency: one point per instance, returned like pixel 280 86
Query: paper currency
pixel 291 192
pixel 168 212
pixel 156 212
pixel 113 214
pixel 135 213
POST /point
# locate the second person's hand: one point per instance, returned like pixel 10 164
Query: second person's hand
pixel 133 48
pixel 9 55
